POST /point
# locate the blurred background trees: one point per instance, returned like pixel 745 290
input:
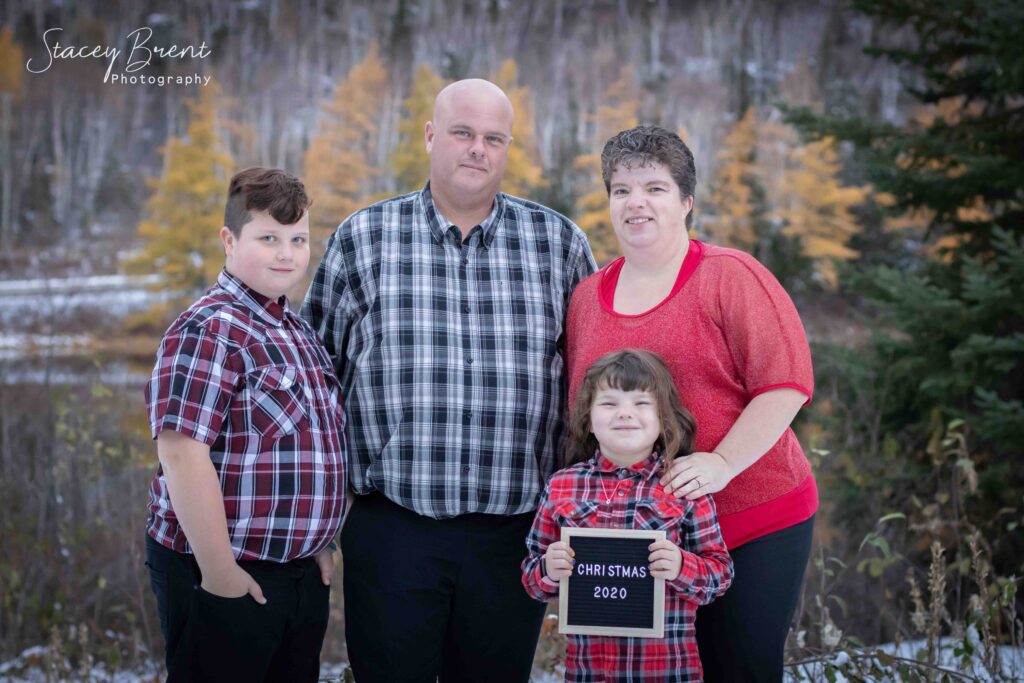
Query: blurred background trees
pixel 186 200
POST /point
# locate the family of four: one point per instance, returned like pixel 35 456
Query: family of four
pixel 476 351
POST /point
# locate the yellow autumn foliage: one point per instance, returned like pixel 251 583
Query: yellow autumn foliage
pixel 12 67
pixel 340 172
pixel 732 223
pixel 409 161
pixel 186 210
pixel 523 173
pixel 817 208
pixel 619 112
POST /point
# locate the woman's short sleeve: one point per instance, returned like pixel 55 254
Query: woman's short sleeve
pixel 762 328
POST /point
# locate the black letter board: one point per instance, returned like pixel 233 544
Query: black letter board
pixel 611 591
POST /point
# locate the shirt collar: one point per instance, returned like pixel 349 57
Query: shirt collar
pixel 270 310
pixel 646 468
pixel 439 225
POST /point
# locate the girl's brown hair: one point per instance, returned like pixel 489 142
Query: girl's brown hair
pixel 632 370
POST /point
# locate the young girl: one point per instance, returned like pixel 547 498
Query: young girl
pixel 626 428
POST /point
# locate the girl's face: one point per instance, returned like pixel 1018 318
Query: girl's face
pixel 625 423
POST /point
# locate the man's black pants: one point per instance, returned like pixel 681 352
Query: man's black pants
pixel 427 598
pixel 741 635
pixel 210 638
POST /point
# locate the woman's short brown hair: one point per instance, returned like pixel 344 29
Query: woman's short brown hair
pixel 632 370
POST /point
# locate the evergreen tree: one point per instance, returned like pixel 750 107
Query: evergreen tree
pixel 409 161
pixel 522 174
pixel 949 340
pixel 185 212
pixel 619 112
pixel 340 168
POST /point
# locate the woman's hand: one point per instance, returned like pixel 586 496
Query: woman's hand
pixel 666 559
pixel 558 562
pixel 696 475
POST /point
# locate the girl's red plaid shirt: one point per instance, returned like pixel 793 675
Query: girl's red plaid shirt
pixel 599 494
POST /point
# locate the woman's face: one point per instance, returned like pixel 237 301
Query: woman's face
pixel 647 209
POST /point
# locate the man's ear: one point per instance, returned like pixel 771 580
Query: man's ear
pixel 428 135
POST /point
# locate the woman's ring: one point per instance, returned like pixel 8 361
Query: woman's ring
pixel 697 479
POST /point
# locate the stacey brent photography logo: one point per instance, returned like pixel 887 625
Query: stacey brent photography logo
pixel 124 66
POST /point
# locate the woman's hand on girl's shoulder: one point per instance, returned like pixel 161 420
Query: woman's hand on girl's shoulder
pixel 696 475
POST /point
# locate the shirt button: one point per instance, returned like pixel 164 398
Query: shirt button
pixel 621 494
pixel 465 261
pixel 465 308
pixel 465 469
pixel 468 415
pixel 469 361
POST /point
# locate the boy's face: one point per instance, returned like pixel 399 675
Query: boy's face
pixel 268 257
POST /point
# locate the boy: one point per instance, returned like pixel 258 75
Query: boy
pixel 244 405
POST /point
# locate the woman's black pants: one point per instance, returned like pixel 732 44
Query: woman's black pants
pixel 741 635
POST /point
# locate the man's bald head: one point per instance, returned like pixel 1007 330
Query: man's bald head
pixel 476 89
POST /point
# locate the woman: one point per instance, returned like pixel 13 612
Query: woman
pixel 739 357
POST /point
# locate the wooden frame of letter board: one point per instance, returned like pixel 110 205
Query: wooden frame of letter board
pixel 658 630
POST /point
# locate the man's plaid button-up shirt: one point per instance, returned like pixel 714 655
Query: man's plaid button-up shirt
pixel 449 350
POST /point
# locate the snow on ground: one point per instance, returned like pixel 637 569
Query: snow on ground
pixel 30 667
pixel 1011 660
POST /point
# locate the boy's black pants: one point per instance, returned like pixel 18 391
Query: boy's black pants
pixel 210 638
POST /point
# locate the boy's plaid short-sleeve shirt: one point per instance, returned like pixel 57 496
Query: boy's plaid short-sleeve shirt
pixel 599 494
pixel 249 378
pixel 449 350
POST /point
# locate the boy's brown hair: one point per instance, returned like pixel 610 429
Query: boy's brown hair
pixel 632 370
pixel 255 189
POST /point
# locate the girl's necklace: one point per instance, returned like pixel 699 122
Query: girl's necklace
pixel 604 490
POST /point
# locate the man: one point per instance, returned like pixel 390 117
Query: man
pixel 443 312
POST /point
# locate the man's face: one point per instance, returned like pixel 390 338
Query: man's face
pixel 468 144
pixel 268 257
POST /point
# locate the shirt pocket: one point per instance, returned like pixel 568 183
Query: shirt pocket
pixel 278 401
pixel 575 513
pixel 659 514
